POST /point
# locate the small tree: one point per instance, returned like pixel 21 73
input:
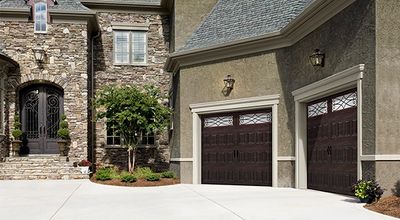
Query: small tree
pixel 63 131
pixel 132 111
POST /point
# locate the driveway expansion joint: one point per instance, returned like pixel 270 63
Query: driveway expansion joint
pixel 65 202
pixel 215 202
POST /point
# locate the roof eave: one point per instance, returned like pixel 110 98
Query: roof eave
pixel 311 18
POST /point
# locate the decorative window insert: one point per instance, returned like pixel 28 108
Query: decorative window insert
pixel 344 102
pixel 257 118
pixel 130 47
pixel 317 109
pixel 221 121
pixel 40 15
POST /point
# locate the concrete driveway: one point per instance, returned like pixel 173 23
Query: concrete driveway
pixel 81 199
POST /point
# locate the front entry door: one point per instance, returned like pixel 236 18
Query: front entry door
pixel 41 109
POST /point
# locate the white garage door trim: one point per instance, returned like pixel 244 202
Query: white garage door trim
pixel 338 82
pixel 234 105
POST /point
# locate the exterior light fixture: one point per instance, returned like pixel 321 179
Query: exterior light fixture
pixel 39 54
pixel 229 82
pixel 317 58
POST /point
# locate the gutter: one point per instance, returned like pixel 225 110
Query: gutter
pixel 92 96
pixel 317 13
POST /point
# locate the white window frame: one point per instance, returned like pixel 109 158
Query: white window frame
pixel 45 17
pixel 130 48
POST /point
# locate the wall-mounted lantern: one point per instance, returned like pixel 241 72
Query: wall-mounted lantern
pixel 229 82
pixel 317 58
pixel 39 54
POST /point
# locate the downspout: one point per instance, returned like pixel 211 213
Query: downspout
pixel 92 79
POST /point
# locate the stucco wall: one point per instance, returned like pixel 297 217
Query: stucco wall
pixel 188 16
pixel 65 65
pixel 387 77
pixel 106 73
pixel 347 40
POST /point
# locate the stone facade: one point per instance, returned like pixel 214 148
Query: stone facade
pixel 106 73
pixel 65 66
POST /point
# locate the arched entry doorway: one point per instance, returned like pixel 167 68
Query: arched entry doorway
pixel 41 109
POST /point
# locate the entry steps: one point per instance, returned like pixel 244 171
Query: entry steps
pixel 39 167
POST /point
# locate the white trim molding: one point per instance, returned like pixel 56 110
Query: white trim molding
pixel 347 79
pixel 181 159
pixel 286 158
pixel 252 103
pixel 381 157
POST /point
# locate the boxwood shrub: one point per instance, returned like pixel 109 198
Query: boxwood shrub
pixel 153 177
pixel 128 177
pixel 168 174
pixel 104 174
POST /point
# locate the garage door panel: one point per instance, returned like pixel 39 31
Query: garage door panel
pixel 237 152
pixel 332 143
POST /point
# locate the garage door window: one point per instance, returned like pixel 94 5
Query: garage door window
pixel 317 109
pixel 344 102
pixel 221 121
pixel 257 118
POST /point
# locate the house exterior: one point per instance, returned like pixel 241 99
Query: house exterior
pixel 285 122
pixel 249 106
pixel 56 55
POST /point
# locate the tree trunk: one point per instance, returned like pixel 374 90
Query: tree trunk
pixel 129 160
pixel 133 159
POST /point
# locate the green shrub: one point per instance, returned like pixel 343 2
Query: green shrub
pixel 63 124
pixel 367 190
pixel 17 133
pixel 142 172
pixel 104 174
pixel 153 177
pixel 168 174
pixel 128 177
pixel 63 133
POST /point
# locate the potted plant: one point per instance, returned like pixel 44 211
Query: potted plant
pixel 63 133
pixel 16 133
pixel 368 191
pixel 84 166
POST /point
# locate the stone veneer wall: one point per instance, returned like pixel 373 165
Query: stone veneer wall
pixel 106 73
pixel 65 65
pixel 3 144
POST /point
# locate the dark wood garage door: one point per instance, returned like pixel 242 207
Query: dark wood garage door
pixel 236 148
pixel 332 143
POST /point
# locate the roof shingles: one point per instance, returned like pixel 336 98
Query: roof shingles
pixel 232 20
pixel 66 5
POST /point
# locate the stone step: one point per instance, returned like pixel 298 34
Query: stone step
pixel 39 167
pixel 44 176
pixel 40 170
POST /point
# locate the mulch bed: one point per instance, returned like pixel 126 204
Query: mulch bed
pixel 138 183
pixel 387 206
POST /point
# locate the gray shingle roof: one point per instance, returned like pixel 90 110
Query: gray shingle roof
pixel 232 20
pixel 67 5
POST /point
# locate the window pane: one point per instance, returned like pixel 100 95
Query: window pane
pixel 139 47
pixel 121 47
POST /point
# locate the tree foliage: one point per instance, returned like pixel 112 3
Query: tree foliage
pixel 132 111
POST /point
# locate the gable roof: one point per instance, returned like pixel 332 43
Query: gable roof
pixel 65 5
pixel 232 20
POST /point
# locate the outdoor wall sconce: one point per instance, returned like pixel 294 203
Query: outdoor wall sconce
pixel 317 58
pixel 229 82
pixel 39 54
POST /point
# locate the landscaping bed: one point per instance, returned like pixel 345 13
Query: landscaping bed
pixel 387 206
pixel 141 177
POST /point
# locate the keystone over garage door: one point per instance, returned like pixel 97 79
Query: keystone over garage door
pixel 237 148
pixel 332 143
